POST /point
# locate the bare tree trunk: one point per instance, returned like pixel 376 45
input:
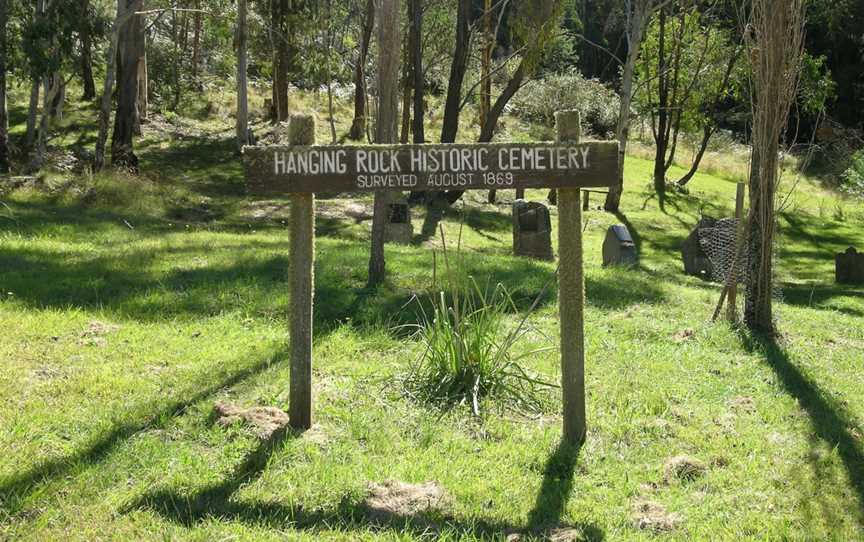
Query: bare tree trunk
pixel 4 115
pixel 638 14
pixel 777 27
pixel 130 49
pixel 407 82
pixel 32 114
pixel 662 132
pixel 486 74
pixel 457 73
pixel 281 60
pixel 196 40
pixel 87 55
pixel 417 65
pixel 358 126
pixel 242 126
pixel 123 15
pixel 388 12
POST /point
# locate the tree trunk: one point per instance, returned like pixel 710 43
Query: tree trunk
pixel 130 48
pixel 87 55
pixel 417 65
pixel 662 132
pixel 242 126
pixel 32 114
pixel 358 126
pixel 281 61
pixel 385 126
pixel 457 73
pixel 407 82
pixel 486 75
pixel 196 40
pixel 4 115
pixel 635 34
pixel 123 15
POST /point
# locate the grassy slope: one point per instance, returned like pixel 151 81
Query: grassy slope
pixel 109 435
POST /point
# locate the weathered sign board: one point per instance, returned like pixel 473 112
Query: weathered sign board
pixel 308 169
pixel 302 169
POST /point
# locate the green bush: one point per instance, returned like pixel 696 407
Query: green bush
pixel 853 177
pixel 540 99
pixel 469 354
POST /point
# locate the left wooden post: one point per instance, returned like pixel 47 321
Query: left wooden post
pixel 301 261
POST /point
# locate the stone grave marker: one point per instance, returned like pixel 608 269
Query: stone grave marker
pixel 849 267
pixel 532 230
pixel 619 248
pixel 399 228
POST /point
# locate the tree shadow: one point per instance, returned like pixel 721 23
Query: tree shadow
pixel 817 296
pixel 829 421
pixel 14 489
pixel 218 501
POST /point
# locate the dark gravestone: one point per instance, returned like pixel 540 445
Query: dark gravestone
pixel 696 261
pixel 849 267
pixel 618 247
pixel 399 228
pixel 532 230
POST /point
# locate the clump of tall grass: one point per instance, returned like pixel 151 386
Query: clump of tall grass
pixel 469 354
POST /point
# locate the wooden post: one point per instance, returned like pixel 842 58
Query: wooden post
pixel 301 131
pixel 731 308
pixel 571 294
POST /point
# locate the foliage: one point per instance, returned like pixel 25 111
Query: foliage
pixel 467 356
pixel 853 177
pixel 540 99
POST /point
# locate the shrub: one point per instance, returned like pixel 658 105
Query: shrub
pixel 467 354
pixel 540 99
pixel 852 180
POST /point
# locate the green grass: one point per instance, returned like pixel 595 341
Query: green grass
pixel 108 433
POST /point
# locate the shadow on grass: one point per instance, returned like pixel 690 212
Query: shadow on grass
pixel 350 514
pixel 15 489
pixel 551 503
pixel 818 296
pixel 829 421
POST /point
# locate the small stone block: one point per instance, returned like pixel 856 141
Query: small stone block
pixel 849 267
pixel 532 230
pixel 619 248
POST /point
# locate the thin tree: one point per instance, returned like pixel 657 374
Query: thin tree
pixel 386 129
pixel 86 35
pixel 358 125
pixel 242 126
pixel 419 82
pixel 453 103
pixel 638 13
pixel 776 44
pixel 124 14
pixel 130 48
pixel 4 116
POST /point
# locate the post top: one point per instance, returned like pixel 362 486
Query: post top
pixel 301 129
pixel 568 124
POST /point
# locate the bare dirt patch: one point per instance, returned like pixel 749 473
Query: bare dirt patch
pixel 264 421
pixel 684 468
pixel 743 404
pixel 95 332
pixel 394 500
pixel 652 516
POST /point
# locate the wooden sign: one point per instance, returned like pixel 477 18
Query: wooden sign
pixel 309 169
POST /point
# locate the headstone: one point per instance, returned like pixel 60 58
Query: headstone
pixel 532 230
pixel 399 228
pixel 618 247
pixel 696 261
pixel 849 267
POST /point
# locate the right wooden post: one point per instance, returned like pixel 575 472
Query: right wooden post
pixel 571 294
pixel 731 307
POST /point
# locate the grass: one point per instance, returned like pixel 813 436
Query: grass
pixel 107 429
